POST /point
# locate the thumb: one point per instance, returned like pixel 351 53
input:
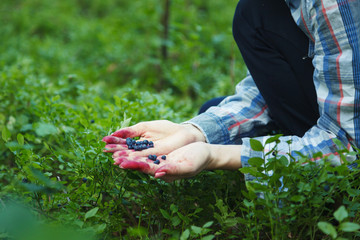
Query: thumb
pixel 167 169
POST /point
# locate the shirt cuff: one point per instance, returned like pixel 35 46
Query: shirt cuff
pixel 214 130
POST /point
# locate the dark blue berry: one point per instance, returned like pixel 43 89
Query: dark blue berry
pixel 163 157
pixel 128 141
pixel 92 121
pixel 157 161
pixel 59 205
pixel 84 179
pixel 25 180
pixel 111 213
pixel 146 142
pixel 326 188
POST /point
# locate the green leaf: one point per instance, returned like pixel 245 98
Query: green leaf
pixel 100 228
pixel 328 229
pixel 44 129
pixel 256 145
pixel 91 213
pixel 283 161
pixel 185 235
pixel 340 214
pixel 54 99
pixel 173 208
pixel 125 122
pixel 353 192
pixel 20 139
pixel 84 122
pixel 208 224
pixel 253 171
pixel 208 237
pixel 256 161
pixel 175 221
pixel 297 198
pixel 273 139
pixel 165 214
pixel 6 134
pixel 196 230
pixel 349 227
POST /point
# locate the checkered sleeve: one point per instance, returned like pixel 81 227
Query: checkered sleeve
pixel 243 114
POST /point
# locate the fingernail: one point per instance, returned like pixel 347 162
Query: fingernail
pixel 159 175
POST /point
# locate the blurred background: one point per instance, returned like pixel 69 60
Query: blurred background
pixel 180 45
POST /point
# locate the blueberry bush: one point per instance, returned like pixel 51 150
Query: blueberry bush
pixel 74 71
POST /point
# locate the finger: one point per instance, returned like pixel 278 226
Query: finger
pixel 159 174
pixel 112 139
pixel 118 161
pixel 172 172
pixel 115 147
pixel 135 165
pixel 165 171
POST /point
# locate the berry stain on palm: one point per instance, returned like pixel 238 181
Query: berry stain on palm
pixel 120 154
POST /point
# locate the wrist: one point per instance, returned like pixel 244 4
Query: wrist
pixel 195 133
pixel 224 157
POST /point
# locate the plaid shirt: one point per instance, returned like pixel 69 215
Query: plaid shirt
pixel 333 27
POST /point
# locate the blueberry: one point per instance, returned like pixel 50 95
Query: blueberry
pixel 128 141
pixel 326 188
pixel 163 157
pixel 110 213
pixel 25 180
pixel 84 180
pixel 146 142
pixel 59 205
pixel 157 161
pixel 92 121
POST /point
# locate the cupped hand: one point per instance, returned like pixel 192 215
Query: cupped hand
pixel 167 136
pixel 184 162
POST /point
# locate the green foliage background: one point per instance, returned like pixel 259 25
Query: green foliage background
pixel 71 71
